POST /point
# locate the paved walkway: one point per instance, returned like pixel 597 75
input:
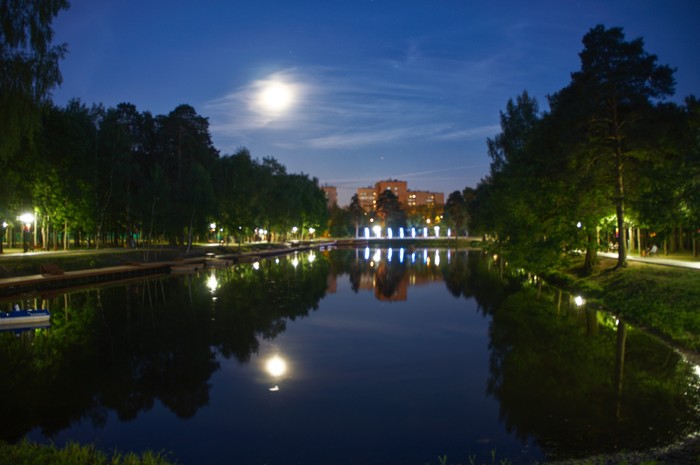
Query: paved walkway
pixel 656 260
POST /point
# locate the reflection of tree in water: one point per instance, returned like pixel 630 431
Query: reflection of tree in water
pixel 388 277
pixel 555 380
pixel 122 348
pixel 472 275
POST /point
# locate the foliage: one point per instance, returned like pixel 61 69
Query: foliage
pixel 28 69
pixel 26 453
pixel 608 143
pixel 390 210
pixel 118 176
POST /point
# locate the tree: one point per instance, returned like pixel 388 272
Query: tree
pixel 187 157
pixel 357 213
pixel 620 80
pixel 389 210
pixel 28 68
pixel 456 211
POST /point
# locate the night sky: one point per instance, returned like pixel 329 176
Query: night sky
pixel 354 91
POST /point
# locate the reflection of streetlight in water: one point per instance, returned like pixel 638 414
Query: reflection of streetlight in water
pixel 276 366
pixel 212 283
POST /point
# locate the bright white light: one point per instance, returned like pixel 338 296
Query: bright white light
pixel 295 262
pixel 27 218
pixel 389 233
pixel 578 300
pixel 377 230
pixel 312 257
pixel 425 232
pixel 276 97
pixel 437 231
pixel 212 283
pixel 276 366
pixel 366 253
pixel 377 256
pixel 256 265
pixel 401 233
pixel 366 233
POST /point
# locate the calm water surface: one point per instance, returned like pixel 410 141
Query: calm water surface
pixel 343 357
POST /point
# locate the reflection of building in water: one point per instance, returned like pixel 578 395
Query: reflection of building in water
pixel 397 292
pixel 331 284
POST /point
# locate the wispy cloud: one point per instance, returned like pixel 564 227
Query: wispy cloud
pixel 337 109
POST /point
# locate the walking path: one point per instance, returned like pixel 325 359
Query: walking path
pixel 656 260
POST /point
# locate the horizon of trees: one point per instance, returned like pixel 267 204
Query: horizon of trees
pixel 122 177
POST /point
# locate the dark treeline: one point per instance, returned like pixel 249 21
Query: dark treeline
pixel 120 176
pixel 612 165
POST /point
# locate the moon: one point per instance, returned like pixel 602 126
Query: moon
pixel 276 97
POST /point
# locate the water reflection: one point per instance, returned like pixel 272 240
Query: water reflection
pixel 566 377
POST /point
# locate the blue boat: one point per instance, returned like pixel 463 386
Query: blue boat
pixel 19 318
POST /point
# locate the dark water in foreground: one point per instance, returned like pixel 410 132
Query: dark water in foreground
pixel 343 357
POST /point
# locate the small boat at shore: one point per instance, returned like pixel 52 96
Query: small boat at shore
pixel 20 318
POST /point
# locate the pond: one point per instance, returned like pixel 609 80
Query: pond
pixel 354 356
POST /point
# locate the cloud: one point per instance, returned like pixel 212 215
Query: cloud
pixel 426 99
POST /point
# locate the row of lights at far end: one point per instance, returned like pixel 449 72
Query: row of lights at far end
pixel 377 230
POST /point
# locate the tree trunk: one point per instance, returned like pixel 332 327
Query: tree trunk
pixel 591 253
pixel 620 211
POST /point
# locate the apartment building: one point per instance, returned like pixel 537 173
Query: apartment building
pixel 368 195
pixel 331 195
pixel 416 198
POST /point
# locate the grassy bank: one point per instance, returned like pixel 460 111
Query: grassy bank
pixel 29 453
pixel 663 299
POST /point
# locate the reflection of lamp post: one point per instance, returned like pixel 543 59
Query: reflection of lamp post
pixel 27 219
pixel 2 239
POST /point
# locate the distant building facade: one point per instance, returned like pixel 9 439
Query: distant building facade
pixel 416 198
pixel 331 195
pixel 368 195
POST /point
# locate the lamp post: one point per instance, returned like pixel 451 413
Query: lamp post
pixel 27 219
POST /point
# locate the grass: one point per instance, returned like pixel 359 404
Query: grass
pixel 30 453
pixel 663 299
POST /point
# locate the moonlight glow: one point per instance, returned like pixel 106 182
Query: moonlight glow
pixel 276 97
pixel 276 366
